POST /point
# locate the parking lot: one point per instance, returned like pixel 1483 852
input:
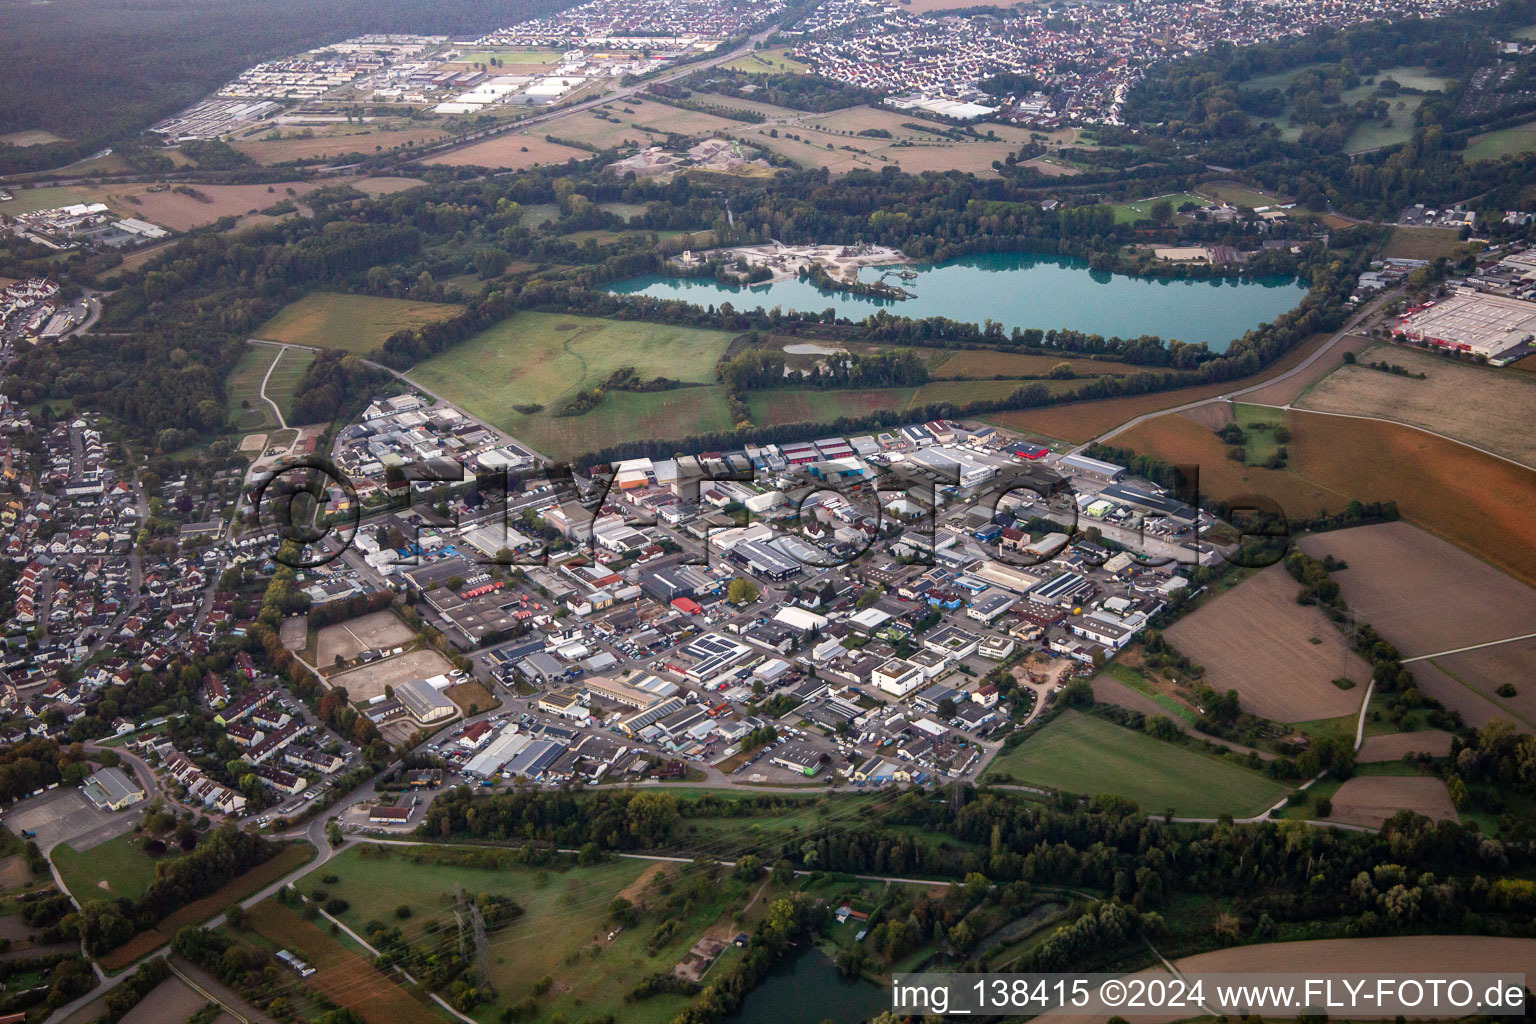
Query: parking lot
pixel 64 815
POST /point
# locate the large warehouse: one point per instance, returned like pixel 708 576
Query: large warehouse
pixel 1497 328
pixel 424 701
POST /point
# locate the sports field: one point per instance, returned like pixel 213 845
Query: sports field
pixel 545 359
pixel 353 323
pixel 1080 754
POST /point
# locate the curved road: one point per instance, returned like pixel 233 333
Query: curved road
pixel 1310 360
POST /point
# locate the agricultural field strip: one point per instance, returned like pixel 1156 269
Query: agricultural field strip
pixel 1473 647
pixel 1396 423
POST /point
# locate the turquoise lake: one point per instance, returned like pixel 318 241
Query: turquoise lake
pixel 1023 290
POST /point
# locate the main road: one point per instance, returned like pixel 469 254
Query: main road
pixel 1326 347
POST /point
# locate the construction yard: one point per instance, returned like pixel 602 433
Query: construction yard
pixel 1281 657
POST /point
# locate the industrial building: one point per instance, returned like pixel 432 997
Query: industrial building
pixel 1093 469
pixel 424 701
pixel 1498 328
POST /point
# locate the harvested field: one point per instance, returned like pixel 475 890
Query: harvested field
pixel 1440 485
pixel 1287 391
pixel 588 127
pixel 1389 954
pixel 1478 502
pixel 512 152
pixel 1183 441
pixel 170 1001
pixel 777 407
pixel 342 976
pixel 1257 640
pixel 367 141
pixel 1370 800
pixel 1498 420
pixel 1212 415
pixel 181 212
pixel 1395 954
pixel 1421 593
pixel 1083 421
pixel 1393 746
pixel 981 363
pixel 353 323
pixel 365 683
pixel 832 141
pixel 375 631
pixel 1468 682
pixel 14 873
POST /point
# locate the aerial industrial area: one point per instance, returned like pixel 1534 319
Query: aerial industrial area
pixel 676 512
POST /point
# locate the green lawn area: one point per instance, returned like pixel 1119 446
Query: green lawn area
pixel 1129 213
pixel 1504 142
pixel 1237 195
pixel 1259 424
pixel 513 55
pixel 242 390
pixel 776 407
pixel 290 370
pixel 352 323
pixel 546 358
pixel 563 933
pixel 774 60
pixel 1081 754
pixel 121 863
pixel 29 200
